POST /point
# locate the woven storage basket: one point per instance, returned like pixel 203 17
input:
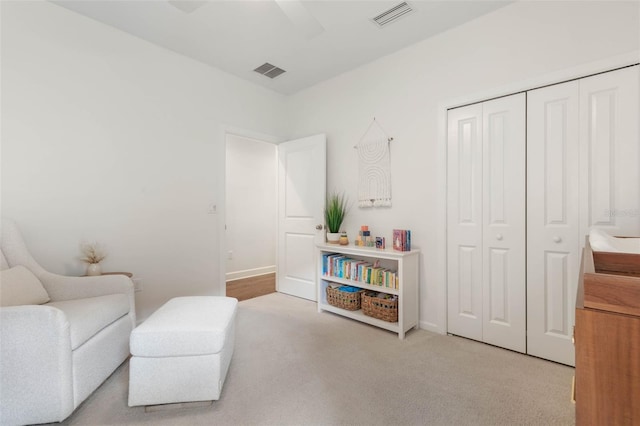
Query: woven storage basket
pixel 384 309
pixel 344 299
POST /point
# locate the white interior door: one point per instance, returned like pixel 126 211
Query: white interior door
pixel 301 197
pixel 464 222
pixel 583 155
pixel 553 229
pixel 504 213
pixel 486 222
pixel 610 152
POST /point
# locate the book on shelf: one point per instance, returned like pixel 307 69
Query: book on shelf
pixel 402 239
pixel 358 270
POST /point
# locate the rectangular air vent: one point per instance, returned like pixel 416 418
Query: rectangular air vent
pixel 269 70
pixel 392 14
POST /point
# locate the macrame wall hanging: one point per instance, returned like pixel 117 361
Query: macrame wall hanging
pixel 374 167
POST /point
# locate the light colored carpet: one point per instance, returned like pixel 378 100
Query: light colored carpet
pixel 294 366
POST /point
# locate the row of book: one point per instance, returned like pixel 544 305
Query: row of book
pixel 340 266
pixel 402 240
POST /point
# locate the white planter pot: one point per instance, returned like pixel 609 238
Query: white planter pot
pixel 94 269
pixel 333 237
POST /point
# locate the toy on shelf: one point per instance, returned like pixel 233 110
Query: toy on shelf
pixel 365 239
pixel 344 239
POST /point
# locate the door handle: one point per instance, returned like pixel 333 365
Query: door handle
pixel 557 239
pixel 319 227
pixel 499 237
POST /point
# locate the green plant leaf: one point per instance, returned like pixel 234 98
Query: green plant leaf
pixel 335 211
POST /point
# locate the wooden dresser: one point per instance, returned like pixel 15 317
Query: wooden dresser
pixel 607 339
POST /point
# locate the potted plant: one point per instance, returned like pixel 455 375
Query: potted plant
pixel 93 254
pixel 334 213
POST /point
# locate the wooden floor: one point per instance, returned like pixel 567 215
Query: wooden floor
pixel 248 288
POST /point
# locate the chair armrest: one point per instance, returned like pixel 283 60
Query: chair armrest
pixel 35 365
pixel 62 287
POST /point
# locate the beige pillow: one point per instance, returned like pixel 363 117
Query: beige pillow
pixel 18 286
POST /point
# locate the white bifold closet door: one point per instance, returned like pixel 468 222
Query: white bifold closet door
pixel 610 152
pixel 464 222
pixel 486 222
pixel 583 156
pixel 553 218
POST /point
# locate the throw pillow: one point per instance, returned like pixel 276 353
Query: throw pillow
pixel 18 286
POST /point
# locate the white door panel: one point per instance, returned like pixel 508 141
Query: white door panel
pixel 464 222
pixel 504 286
pixel 583 156
pixel 301 197
pixel 518 209
pixel 553 240
pixel 486 232
pixel 609 107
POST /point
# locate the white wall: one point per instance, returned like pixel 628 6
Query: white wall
pixel 405 91
pixel 106 137
pixel 251 179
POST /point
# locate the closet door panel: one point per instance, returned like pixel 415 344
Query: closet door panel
pixel 553 220
pixel 464 222
pixel 504 286
pixel 611 152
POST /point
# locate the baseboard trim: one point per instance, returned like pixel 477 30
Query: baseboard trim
pixel 176 405
pixel 429 326
pixel 247 273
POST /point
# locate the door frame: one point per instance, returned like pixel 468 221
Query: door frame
pixel 222 189
pixel 585 70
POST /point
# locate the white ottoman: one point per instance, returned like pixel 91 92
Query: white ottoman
pixel 182 352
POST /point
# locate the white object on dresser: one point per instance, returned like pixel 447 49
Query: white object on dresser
pixel 603 241
pixel 406 266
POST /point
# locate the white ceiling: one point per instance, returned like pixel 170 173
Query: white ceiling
pixel 238 36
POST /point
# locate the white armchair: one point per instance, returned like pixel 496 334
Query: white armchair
pixel 54 355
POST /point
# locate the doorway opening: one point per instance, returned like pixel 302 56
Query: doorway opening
pixel 251 216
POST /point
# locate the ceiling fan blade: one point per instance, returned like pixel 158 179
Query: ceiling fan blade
pixel 300 17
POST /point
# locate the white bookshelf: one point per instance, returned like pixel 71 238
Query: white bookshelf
pixel 406 266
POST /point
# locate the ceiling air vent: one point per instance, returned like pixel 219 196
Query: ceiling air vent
pixel 392 14
pixel 269 70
